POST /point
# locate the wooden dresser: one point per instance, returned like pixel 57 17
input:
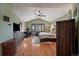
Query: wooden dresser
pixel 9 47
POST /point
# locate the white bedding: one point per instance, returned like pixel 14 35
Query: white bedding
pixel 46 35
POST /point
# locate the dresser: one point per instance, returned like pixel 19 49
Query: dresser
pixel 9 47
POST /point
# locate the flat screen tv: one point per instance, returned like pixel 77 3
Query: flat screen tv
pixel 16 27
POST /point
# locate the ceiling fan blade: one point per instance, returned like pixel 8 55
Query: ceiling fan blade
pixel 43 15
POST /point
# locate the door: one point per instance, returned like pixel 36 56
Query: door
pixel 65 31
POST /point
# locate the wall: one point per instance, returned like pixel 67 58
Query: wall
pixel 77 24
pixel 64 17
pixel 78 28
pixel 38 21
pixel 6 31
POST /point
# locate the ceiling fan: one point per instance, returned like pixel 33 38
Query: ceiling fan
pixel 39 12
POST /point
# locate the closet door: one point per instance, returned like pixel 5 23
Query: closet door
pixel 65 31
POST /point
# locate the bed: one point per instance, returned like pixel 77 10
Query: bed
pixel 47 36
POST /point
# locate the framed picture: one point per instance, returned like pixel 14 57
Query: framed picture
pixel 6 18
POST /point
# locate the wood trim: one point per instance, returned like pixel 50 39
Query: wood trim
pixel 48 40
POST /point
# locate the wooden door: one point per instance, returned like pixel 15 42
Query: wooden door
pixel 65 31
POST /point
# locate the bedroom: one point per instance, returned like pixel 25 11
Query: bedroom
pixel 40 22
pixel 33 28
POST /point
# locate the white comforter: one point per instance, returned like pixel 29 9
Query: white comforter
pixel 47 35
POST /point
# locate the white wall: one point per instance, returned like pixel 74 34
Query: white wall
pixel 64 17
pixel 6 31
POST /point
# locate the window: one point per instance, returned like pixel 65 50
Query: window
pixel 38 27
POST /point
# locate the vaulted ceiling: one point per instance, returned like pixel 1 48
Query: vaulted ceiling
pixel 25 11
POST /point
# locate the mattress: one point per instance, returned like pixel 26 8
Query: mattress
pixel 46 35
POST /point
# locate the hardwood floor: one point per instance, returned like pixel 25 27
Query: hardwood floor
pixel 26 48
